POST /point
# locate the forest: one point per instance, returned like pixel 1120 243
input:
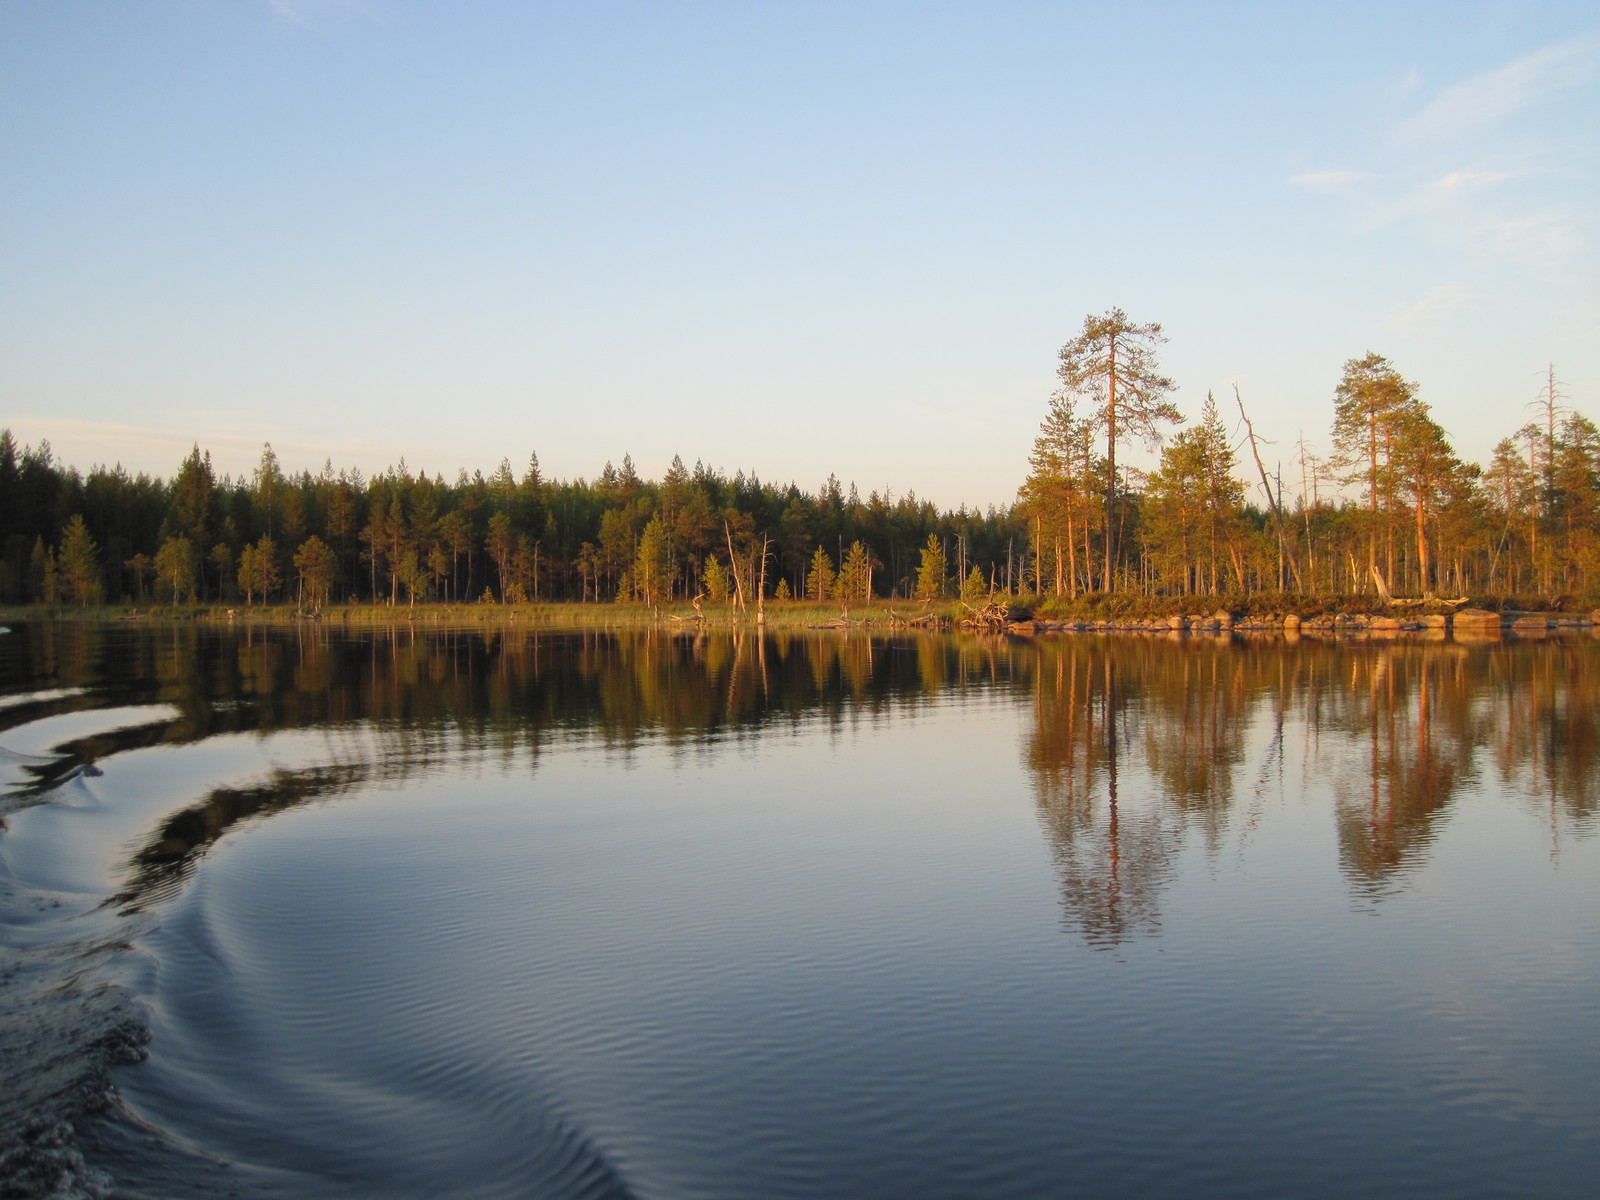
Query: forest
pixel 1392 509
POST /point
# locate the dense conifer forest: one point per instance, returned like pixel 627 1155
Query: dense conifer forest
pixel 1393 508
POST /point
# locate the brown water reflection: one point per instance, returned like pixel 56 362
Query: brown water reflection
pixel 1395 730
pixel 1137 749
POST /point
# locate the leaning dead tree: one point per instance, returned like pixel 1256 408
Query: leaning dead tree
pixel 1272 500
pixel 699 613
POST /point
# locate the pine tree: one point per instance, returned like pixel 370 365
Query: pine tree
pixel 820 579
pixel 79 566
pixel 651 569
pixel 1113 360
pixel 316 566
pixel 1367 404
pixel 976 587
pixel 193 512
pixel 855 576
pixel 933 572
pixel 1057 493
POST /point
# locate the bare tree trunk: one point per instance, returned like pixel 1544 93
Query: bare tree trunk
pixel 733 565
pixel 1111 470
pixel 1272 501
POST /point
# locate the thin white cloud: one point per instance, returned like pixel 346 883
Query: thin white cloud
pixel 1484 99
pixel 1453 187
pixel 1463 181
pixel 1327 181
pixel 308 13
pixel 1460 179
pixel 1441 301
pixel 1547 239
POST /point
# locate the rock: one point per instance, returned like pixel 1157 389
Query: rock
pixel 1292 622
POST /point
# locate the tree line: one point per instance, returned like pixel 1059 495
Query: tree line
pixel 1392 508
pixel 406 536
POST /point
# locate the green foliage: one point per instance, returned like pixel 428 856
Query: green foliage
pixel 652 566
pixel 1112 363
pixel 1528 524
pixel 933 572
pixel 717 581
pixel 79 565
pixel 820 580
pixel 175 570
pixel 258 570
pixel 975 589
pixel 316 564
pixel 854 581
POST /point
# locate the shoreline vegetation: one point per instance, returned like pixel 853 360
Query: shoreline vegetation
pixel 1289 615
pixel 1391 512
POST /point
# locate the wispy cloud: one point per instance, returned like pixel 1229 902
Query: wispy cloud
pixel 1441 301
pixel 1466 175
pixel 1484 99
pixel 1453 187
pixel 310 13
pixel 1328 181
pixel 1545 239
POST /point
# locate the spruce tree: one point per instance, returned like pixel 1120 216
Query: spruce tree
pixel 933 572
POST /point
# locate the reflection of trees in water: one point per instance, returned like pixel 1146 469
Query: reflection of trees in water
pixel 1101 708
pixel 1139 747
pixel 1546 716
pixel 1411 746
pixel 392 704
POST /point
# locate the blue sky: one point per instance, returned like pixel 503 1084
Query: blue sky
pixel 789 237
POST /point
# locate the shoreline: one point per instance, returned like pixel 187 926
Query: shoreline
pixel 1466 624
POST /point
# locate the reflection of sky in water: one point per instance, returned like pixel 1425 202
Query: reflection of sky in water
pixel 819 917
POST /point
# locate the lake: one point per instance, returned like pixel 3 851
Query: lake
pixel 311 913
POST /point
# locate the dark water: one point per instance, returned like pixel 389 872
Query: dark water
pixel 523 915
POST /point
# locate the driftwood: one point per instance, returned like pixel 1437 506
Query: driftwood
pixel 991 616
pixel 842 621
pixel 699 613
pixel 928 620
pixel 1403 602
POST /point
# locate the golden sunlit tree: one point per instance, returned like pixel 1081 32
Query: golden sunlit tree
pixel 1112 363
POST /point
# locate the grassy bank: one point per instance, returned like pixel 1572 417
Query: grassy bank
pixel 882 614
pixel 790 614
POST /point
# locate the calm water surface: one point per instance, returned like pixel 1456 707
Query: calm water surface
pixel 468 914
